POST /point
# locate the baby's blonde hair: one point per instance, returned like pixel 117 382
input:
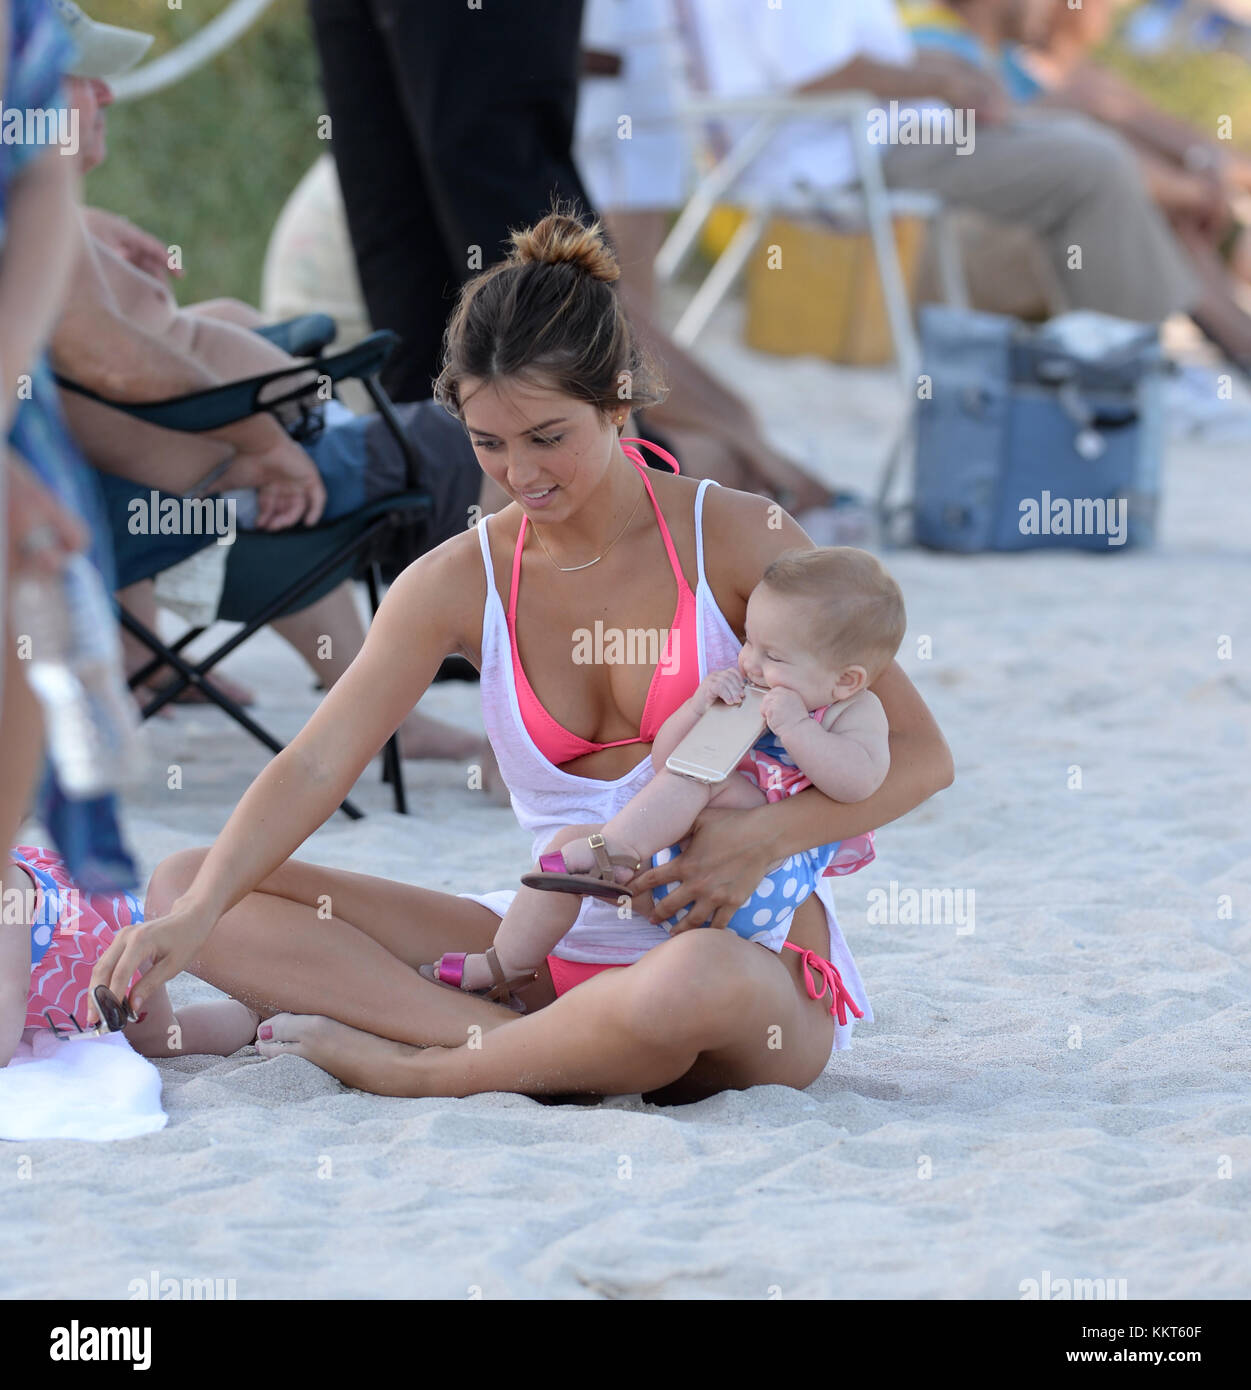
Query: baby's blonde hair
pixel 862 618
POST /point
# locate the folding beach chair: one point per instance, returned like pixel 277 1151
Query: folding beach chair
pixel 270 574
pixel 866 204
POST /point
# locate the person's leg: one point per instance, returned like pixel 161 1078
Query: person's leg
pixel 139 600
pixel 216 1028
pixel 405 272
pixel 660 814
pixel 291 945
pixel 705 1011
pixel 1079 187
pixel 1217 311
pixel 21 752
pixel 347 944
pixel 328 634
pixel 713 431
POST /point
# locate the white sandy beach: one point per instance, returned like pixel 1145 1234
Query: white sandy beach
pixel 1059 1090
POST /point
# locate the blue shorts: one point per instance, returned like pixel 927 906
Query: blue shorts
pixel 359 462
pixel 766 916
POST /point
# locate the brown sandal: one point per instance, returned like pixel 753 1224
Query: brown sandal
pixel 450 972
pixel 554 877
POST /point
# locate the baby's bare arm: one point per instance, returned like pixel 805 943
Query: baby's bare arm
pixel 849 761
pixel 687 715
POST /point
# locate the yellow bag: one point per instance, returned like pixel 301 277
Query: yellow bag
pixel 811 290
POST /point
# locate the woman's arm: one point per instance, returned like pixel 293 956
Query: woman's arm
pixel 729 851
pixel 38 254
pixel 433 608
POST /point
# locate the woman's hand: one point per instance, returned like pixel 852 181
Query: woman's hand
pixel 721 863
pixel 160 949
pixel 42 531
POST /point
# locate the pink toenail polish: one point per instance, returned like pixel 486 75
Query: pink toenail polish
pixel 142 1016
pixel 265 1031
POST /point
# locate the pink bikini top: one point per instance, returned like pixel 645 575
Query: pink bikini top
pixel 674 680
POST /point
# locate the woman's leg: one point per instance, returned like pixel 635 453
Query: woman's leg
pixel 703 1012
pixel 331 941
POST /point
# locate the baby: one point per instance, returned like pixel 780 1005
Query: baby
pixel 821 626
pixel 68 931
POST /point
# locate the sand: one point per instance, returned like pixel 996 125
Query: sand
pixel 1062 1092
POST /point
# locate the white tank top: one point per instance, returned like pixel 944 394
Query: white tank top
pixel 545 799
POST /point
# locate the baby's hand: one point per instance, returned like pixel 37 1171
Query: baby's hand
pixel 726 686
pixel 782 709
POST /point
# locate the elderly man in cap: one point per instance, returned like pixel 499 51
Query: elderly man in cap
pixel 123 335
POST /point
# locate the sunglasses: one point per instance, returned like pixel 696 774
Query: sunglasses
pixel 114 1013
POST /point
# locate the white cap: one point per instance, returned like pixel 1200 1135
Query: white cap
pixel 104 50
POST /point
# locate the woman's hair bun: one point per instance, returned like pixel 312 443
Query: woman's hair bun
pixel 561 238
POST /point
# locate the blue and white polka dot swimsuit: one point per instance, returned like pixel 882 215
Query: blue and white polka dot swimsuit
pixel 766 916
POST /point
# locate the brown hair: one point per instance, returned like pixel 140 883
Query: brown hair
pixel 548 311
pixel 862 609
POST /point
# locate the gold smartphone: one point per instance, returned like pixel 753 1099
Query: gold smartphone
pixel 723 733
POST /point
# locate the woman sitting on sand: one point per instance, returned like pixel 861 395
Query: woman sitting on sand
pixel 539 360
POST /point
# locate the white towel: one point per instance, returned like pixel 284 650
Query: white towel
pixel 99 1088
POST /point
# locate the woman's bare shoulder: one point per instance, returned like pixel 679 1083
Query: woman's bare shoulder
pixel 446 588
pixel 743 533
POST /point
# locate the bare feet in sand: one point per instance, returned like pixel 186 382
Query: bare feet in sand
pixel 358 1059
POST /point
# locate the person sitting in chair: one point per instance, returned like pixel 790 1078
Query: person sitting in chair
pixel 123 336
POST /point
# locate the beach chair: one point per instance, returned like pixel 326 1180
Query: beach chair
pixel 269 574
pixel 865 205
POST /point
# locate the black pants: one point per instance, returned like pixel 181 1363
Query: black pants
pixel 450 125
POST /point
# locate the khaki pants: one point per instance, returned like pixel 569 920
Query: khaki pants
pixel 1077 187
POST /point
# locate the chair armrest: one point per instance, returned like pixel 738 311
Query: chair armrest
pixel 843 106
pixel 306 336
pixel 236 400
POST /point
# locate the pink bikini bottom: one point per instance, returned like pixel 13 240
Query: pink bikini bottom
pixel 568 973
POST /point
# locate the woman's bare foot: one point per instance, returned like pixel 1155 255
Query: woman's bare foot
pixel 424 737
pixel 240 694
pixel 358 1059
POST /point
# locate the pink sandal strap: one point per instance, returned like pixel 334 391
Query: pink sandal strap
pixel 451 968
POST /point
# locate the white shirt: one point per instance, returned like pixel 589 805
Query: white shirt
pixel 769 47
pixel 630 145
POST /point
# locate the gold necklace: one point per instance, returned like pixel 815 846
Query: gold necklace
pixel 569 569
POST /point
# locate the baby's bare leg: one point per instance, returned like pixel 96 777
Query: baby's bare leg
pixel 533 924
pixel 661 813
pixel 736 793
pixel 217 1028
